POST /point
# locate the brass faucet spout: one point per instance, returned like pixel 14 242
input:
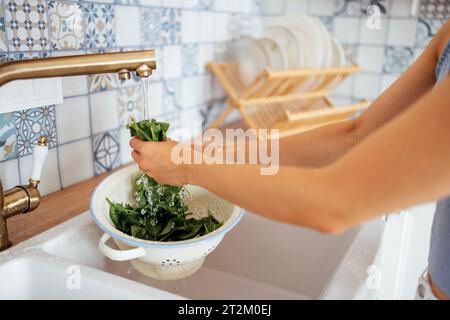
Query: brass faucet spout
pixel 115 62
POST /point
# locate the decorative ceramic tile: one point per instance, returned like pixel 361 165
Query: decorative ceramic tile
pixel 206 4
pixel 426 30
pixel 100 30
pixel 397 59
pixel 190 59
pixel 130 104
pixel 435 9
pixel 209 112
pixel 8 136
pixel 172 95
pixel 27 55
pixel 104 111
pixel 102 82
pixel 106 148
pixel 33 123
pixel 26 24
pixel 358 7
pixel 66 25
pixel 150 21
pixel 327 22
pixel 171 26
pixel 129 2
pixel 3 46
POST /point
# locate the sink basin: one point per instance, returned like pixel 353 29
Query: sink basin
pixel 38 276
pixel 259 259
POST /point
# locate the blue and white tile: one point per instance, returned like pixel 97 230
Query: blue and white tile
pixel 75 109
pixel 190 59
pixel 210 111
pixel 190 32
pixel 156 99
pixel 104 111
pixel 206 4
pixel 357 8
pixel 8 136
pixel 33 123
pixel 426 30
pixel 172 95
pixel 434 9
pixel 27 25
pixel 322 8
pixel 397 35
pixel 345 29
pixel 328 22
pixel 367 86
pixel 66 25
pixel 130 104
pixel 128 2
pixel 3 46
pixel 75 162
pixel 50 175
pixel 172 61
pixel 127 26
pixel 205 56
pixel 172 3
pixel 171 26
pixel 371 58
pixel 195 91
pixel 151 3
pixel 125 149
pixel 220 30
pixel 397 60
pixel 150 25
pixel 9 173
pixel 371 35
pixel 100 25
pixel 401 8
pixel 106 148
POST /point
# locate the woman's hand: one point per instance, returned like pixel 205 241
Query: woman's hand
pixel 154 158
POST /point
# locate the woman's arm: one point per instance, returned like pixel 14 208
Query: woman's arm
pixel 322 146
pixel 403 163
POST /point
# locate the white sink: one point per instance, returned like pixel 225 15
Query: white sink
pixel 259 259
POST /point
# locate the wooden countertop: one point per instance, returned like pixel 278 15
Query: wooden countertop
pixel 61 206
pixel 53 210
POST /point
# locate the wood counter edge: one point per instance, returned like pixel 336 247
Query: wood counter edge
pixel 54 209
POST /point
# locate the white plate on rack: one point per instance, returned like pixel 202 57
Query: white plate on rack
pixel 288 44
pixel 251 58
pixel 309 38
pixel 277 57
pixel 339 60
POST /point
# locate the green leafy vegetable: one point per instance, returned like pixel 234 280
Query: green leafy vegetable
pixel 160 212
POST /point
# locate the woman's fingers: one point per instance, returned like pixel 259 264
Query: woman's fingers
pixel 136 143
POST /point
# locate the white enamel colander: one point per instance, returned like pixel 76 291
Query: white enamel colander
pixel 159 260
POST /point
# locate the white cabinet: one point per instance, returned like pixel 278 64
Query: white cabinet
pixel 26 94
pixel 405 251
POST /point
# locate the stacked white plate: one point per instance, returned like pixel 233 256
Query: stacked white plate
pixel 297 42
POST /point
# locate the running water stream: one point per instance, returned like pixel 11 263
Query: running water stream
pixel 144 84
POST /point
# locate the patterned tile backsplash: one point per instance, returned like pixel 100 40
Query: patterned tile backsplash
pixel 87 131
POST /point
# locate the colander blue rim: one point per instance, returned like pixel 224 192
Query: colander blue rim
pixel 119 235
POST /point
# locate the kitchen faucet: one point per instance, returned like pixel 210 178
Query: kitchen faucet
pixel 24 199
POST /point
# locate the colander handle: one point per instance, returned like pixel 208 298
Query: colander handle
pixel 119 255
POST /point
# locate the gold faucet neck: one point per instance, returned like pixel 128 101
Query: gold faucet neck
pixel 114 62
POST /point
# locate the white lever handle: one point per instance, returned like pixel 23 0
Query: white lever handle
pixel 40 152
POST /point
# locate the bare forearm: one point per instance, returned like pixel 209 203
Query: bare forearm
pixel 279 197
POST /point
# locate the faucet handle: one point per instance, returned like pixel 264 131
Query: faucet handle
pixel 40 152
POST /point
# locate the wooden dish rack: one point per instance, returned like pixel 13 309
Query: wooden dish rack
pixel 275 99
